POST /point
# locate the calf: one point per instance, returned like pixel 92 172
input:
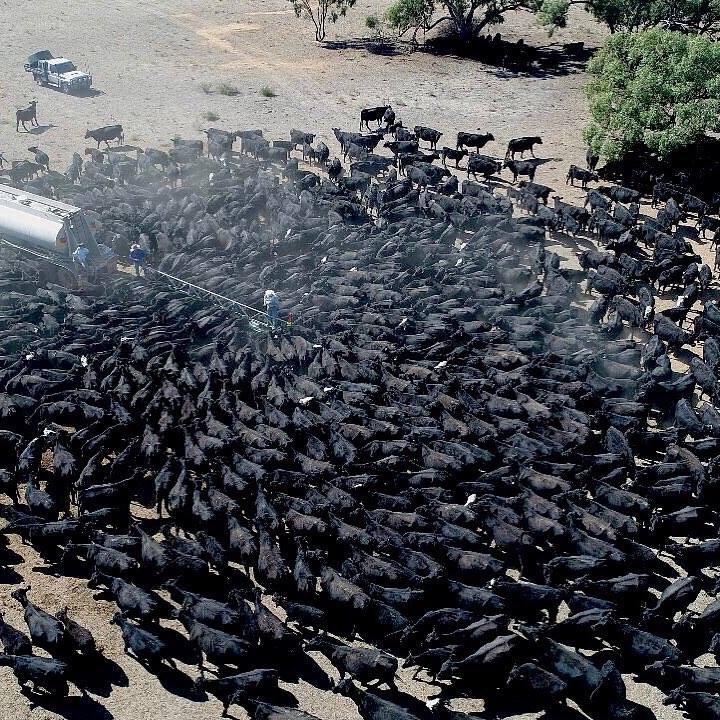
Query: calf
pixel 354 152
pixel 473 140
pixel 609 230
pixel 417 176
pixel 221 138
pixel 456 155
pixel 369 142
pixel 428 135
pixel 41 158
pixel 522 145
pixel 584 176
pixel 402 133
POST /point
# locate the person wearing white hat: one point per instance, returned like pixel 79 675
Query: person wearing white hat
pixel 138 255
pixel 272 307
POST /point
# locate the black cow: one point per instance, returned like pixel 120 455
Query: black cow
pixel 578 214
pixel 709 223
pixel 221 140
pixel 522 167
pixel 28 114
pixel 541 192
pixel 106 134
pixel 191 149
pixel 473 140
pixel 592 160
pixel 522 145
pixel 456 155
pixel 299 137
pixel 483 165
pixel 374 114
pixel 694 204
pixel 664 191
pixel 428 135
pixel 402 146
pixel 584 176
pixel 618 193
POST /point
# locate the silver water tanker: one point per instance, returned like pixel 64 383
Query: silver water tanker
pixel 47 226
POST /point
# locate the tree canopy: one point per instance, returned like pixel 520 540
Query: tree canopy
pixel 467 17
pixel 700 17
pixel 657 88
pixel 320 11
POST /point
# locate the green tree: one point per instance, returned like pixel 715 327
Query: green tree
pixel 656 88
pixel 700 17
pixel 320 11
pixel 468 18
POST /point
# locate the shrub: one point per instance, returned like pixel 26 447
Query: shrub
pixel 656 88
pixel 227 89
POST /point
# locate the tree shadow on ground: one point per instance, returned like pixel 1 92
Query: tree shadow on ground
pixel 512 59
pixel 386 48
pixel 506 59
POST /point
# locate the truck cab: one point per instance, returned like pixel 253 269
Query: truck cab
pixel 57 72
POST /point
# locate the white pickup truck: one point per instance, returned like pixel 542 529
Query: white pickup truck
pixel 57 72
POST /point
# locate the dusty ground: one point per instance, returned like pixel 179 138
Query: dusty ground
pixel 153 62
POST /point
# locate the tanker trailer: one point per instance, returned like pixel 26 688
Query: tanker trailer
pixel 48 229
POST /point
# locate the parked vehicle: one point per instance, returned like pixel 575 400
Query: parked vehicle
pixel 57 72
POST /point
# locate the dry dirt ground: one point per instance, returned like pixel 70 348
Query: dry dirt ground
pixel 153 62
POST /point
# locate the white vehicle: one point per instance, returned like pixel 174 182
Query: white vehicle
pixel 57 72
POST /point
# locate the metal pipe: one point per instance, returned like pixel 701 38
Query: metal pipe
pixel 224 298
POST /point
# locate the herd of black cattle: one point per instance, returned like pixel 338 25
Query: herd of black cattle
pixel 444 455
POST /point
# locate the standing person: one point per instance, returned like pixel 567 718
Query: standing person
pixel 423 201
pixel 272 307
pixel 138 255
pixel 81 256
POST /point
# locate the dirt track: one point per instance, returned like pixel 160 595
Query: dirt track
pixel 150 60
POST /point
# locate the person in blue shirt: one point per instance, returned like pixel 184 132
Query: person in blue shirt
pixel 81 256
pixel 138 255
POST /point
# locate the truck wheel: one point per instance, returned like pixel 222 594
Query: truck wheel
pixel 66 89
